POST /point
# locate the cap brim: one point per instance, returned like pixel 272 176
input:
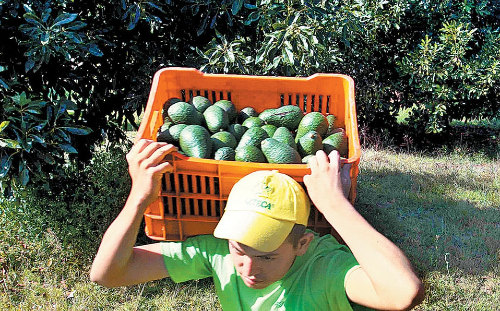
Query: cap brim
pixel 252 229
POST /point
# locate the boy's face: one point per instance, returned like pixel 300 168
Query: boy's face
pixel 259 269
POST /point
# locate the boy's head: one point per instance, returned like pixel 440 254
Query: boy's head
pixel 262 209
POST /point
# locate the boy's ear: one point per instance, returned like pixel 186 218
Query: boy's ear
pixel 303 243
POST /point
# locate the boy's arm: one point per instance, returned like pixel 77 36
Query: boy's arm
pixel 118 262
pixel 386 279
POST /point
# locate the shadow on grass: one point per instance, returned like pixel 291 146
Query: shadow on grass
pixel 436 231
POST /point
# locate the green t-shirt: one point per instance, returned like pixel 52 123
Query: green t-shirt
pixel 314 282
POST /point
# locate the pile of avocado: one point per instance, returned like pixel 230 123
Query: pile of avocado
pixel 277 135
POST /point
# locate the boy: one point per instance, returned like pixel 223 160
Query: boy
pixel 261 257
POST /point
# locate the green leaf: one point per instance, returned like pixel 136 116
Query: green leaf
pixel 44 38
pixel 37 139
pixel 48 158
pixel 62 135
pixel 33 19
pixel 24 176
pixel 151 4
pixel 29 65
pixel 4 84
pixel 135 14
pixel 46 15
pixel 68 148
pixel 77 130
pixel 76 26
pixel 64 18
pixel 237 4
pixel 94 50
pixel 27 8
pixel 230 56
pixel 33 111
pixel 289 55
pixel 252 17
pixel 5 164
pixel 3 125
pixel 9 143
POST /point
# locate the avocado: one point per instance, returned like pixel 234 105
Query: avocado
pixel 278 152
pixel 195 141
pixel 216 119
pixel 312 121
pixel 166 123
pixel 305 159
pixel 225 154
pixel 253 136
pixel 252 122
pixel 336 141
pixel 270 129
pixel 237 130
pixel 288 116
pixel 246 113
pixel 201 103
pixel 283 135
pixel 249 153
pixel 165 136
pixel 169 103
pixel 331 124
pixel 229 107
pixel 309 143
pixel 223 139
pixel 171 135
pixel 184 113
pixel 264 115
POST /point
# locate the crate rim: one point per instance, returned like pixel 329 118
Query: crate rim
pixel 357 150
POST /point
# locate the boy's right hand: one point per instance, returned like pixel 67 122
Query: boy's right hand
pixel 146 168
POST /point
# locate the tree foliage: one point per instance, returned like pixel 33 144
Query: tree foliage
pixel 438 58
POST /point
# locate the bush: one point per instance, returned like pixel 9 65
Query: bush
pixel 100 57
pixel 43 132
pixel 83 203
pixel 438 58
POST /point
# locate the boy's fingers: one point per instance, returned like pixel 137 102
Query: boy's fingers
pixel 312 163
pixel 164 167
pixel 160 152
pixel 321 158
pixel 334 157
pixel 139 146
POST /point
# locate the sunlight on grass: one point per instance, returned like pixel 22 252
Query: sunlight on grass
pixel 443 211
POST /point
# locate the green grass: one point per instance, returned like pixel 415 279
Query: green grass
pixel 442 210
pixel 486 123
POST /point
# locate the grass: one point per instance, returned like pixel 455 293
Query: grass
pixel 442 210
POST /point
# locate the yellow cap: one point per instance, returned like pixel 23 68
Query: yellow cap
pixel 262 209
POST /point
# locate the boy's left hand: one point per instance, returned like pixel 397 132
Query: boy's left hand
pixel 328 178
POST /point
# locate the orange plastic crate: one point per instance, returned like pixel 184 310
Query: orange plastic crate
pixel 193 197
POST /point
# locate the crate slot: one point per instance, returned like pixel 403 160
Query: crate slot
pixel 202 207
pixel 169 206
pixel 216 185
pixel 218 208
pixel 207 185
pixel 192 210
pixel 182 201
pixel 313 97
